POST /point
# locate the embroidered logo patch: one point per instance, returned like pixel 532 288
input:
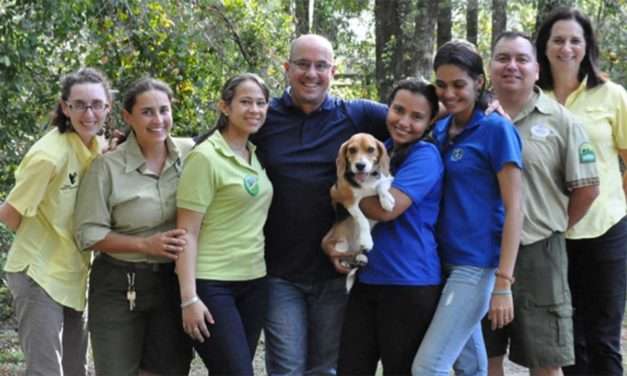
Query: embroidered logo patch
pixel 251 185
pixel 586 153
pixel 457 154
pixel 540 132
pixel 72 177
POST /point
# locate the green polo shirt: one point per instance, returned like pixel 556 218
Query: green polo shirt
pixel 46 184
pixel 119 194
pixel 234 197
pixel 557 158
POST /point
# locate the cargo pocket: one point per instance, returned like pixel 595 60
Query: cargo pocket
pixel 563 325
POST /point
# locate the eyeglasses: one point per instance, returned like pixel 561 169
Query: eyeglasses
pixel 305 65
pixel 80 106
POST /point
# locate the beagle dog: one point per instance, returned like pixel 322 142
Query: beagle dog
pixel 363 169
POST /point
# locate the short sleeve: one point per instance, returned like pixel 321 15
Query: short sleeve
pixel 196 187
pixel 420 172
pixel 369 117
pixel 619 123
pixel 32 180
pixel 92 213
pixel 505 144
pixel 580 159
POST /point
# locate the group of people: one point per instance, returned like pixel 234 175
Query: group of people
pixel 205 243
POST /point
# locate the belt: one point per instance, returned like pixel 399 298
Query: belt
pixel 137 266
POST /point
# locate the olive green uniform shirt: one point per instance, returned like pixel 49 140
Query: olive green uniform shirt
pixel 557 158
pixel 120 194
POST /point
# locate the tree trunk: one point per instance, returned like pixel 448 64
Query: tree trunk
pixel 424 37
pixel 472 19
pixel 445 16
pixel 301 16
pixel 389 38
pixel 546 6
pixel 499 18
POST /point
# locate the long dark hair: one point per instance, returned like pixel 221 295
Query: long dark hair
pixel 418 87
pixel 590 63
pixel 81 76
pixel 227 94
pixel 463 55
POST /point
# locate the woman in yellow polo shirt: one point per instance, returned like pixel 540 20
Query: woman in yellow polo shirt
pixel 597 245
pixel 46 273
pixel 126 210
pixel 223 199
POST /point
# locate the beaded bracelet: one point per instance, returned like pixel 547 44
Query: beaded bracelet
pixel 502 292
pixel 509 278
pixel 189 302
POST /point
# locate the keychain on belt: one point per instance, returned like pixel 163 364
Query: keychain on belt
pixel 130 291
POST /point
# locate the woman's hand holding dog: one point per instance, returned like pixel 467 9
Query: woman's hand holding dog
pixel 196 316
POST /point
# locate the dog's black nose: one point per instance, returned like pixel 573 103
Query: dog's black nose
pixel 360 166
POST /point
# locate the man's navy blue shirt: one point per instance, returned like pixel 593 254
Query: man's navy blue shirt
pixel 298 151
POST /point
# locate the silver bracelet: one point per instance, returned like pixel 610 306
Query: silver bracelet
pixel 189 302
pixel 502 292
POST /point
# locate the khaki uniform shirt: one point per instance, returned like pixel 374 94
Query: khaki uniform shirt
pixel 119 194
pixel 46 183
pixel 603 113
pixel 557 158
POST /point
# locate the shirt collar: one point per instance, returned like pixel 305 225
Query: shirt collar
pixel 537 101
pixel 134 159
pixel 222 147
pixel 287 101
pixel 84 152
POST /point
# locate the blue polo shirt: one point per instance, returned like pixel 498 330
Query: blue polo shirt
pixel 472 213
pixel 298 151
pixel 405 251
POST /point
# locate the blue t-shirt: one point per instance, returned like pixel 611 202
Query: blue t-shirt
pixel 405 251
pixel 298 151
pixel 472 213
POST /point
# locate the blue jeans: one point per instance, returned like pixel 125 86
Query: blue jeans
pixel 238 311
pixel 454 338
pixel 303 326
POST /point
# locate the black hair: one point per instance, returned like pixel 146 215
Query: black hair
pixel 81 76
pixel 590 63
pixel 511 35
pixel 418 87
pixel 227 94
pixel 463 55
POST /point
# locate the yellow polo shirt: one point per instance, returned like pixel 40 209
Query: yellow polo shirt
pixel 603 113
pixel 234 197
pixel 46 183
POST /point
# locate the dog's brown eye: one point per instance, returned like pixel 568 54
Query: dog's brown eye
pixel 352 150
pixel 370 149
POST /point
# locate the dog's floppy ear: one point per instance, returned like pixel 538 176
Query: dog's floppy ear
pixel 384 158
pixel 340 162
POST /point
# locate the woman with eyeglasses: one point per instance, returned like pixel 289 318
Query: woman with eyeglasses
pixel 126 210
pixel 45 272
pixel 597 245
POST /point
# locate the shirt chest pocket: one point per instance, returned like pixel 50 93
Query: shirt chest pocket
pixel 541 152
pixel 141 209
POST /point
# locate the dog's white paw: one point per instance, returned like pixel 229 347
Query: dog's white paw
pixel 361 260
pixel 387 201
pixel 365 242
